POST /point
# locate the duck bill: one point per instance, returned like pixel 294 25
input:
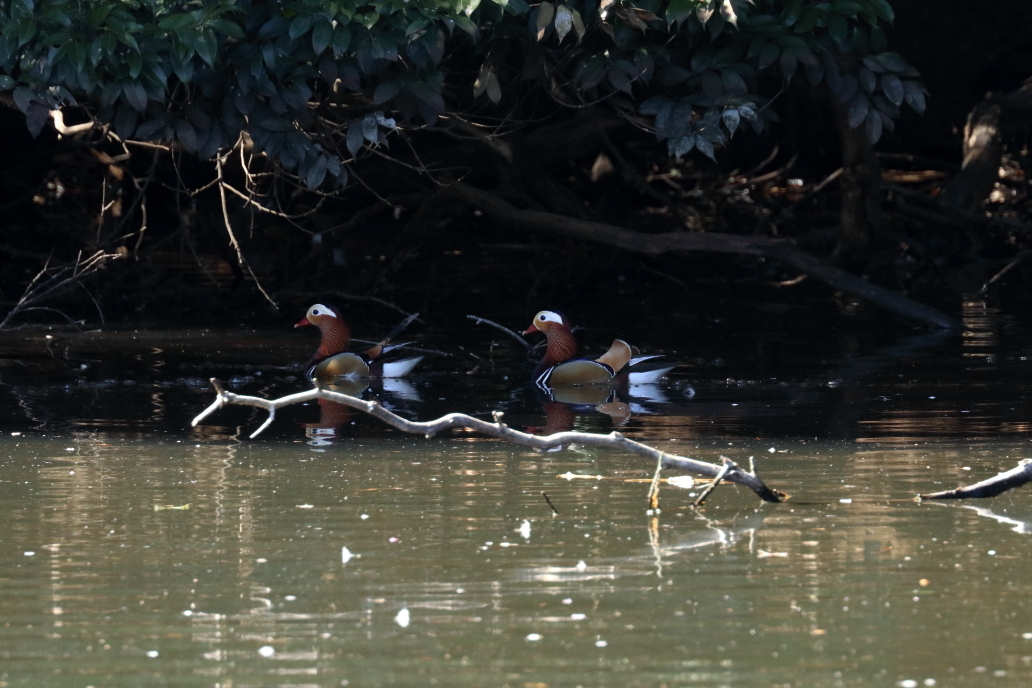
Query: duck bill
pixel 302 322
pixel 530 329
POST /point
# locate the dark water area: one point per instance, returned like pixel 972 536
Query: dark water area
pixel 334 551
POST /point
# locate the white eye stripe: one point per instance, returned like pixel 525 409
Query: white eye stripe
pixel 319 309
pixel 549 316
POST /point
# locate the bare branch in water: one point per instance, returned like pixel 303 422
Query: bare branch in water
pixel 729 472
pixel 998 484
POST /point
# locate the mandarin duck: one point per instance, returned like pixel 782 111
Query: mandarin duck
pixel 332 362
pixel 559 367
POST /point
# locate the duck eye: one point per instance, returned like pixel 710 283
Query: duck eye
pixel 315 311
pixel 542 318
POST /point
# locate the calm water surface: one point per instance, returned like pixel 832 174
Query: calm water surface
pixel 139 551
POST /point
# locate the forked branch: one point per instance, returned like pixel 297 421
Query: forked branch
pixel 497 429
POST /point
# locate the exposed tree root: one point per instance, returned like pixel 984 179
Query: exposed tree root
pixel 729 472
pixel 998 484
pixel 655 244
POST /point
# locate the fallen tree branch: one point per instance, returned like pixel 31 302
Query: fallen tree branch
pixel 998 484
pixel 655 244
pixel 497 429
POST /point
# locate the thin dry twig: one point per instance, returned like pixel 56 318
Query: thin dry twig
pixel 729 471
pixel 484 321
pixel 232 237
pixel 729 465
pixel 49 281
pixel 1018 258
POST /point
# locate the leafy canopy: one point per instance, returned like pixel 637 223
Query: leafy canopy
pixel 314 83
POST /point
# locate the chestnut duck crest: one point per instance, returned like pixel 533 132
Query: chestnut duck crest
pixel 332 362
pixel 560 367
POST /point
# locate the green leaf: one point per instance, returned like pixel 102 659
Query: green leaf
pixel 874 126
pixel 136 95
pixel 884 10
pixel 846 7
pixel 355 138
pixel 892 62
pixel 7 83
pixel 790 14
pixel 807 20
pixel 769 55
pixel 135 62
pixel 98 14
pixel 914 95
pixel 892 87
pixel 386 90
pixel 175 22
pixel 276 124
pixel 341 39
pixel 679 10
pixel 227 28
pixel 26 30
pixel 879 41
pixel 206 46
pixel 300 26
pixel 321 36
pixel 126 38
pixel 838 28
pixel 96 52
pixel 467 25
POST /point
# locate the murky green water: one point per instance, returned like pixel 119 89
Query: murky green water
pixel 332 551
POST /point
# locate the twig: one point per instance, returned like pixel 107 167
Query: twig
pixel 503 328
pixel 824 182
pixel 545 495
pixel 232 237
pixel 998 484
pixel 653 496
pixel 728 466
pixel 1018 258
pixel 47 283
pixel 729 471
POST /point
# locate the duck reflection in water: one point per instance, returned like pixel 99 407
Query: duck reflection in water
pixel 562 405
pixel 334 416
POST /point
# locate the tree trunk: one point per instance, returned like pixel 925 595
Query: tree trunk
pixel 860 182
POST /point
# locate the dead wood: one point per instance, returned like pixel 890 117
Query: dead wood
pixel 998 484
pixel 1014 262
pixel 983 151
pixel 655 244
pixel 497 429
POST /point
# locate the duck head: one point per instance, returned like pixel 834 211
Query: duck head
pixel 561 344
pixel 335 332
